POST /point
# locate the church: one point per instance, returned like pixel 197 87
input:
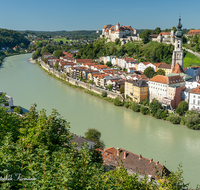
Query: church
pixel 177 56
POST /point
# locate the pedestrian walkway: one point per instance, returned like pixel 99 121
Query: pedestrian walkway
pixel 194 53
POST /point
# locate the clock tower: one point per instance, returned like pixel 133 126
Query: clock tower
pixel 177 56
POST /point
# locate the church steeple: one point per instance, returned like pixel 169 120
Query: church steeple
pixel 179 32
pixel 177 56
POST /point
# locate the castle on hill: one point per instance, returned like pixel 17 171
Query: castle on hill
pixel 123 33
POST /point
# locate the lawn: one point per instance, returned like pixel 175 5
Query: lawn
pixel 191 60
pixel 63 39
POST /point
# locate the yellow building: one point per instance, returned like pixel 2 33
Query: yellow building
pixel 138 91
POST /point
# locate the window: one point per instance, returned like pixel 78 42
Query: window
pixel 193 101
pixel 198 102
pixel 194 96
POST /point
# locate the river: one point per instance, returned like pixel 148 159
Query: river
pixel 169 144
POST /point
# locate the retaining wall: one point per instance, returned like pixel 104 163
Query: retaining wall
pixel 75 82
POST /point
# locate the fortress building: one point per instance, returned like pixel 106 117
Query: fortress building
pixel 123 33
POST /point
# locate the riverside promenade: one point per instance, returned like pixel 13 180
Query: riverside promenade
pixel 75 82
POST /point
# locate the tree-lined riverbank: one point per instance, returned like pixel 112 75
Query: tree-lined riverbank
pixel 28 83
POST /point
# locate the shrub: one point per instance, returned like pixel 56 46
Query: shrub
pixel 18 110
pixel 104 94
pixel 158 113
pixel 174 119
pixel 182 107
pixel 144 110
pixel 154 106
pixel 126 105
pixel 192 121
pixel 117 101
pixel 135 107
pixel 146 102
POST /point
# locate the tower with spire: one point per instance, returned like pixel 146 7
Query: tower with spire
pixel 177 56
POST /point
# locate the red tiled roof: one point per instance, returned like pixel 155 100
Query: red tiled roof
pixel 133 162
pixel 84 60
pixel 164 66
pixel 167 79
pixel 177 69
pixel 196 90
pixel 193 32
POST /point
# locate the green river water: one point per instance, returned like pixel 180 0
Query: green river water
pixel 169 144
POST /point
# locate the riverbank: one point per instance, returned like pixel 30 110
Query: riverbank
pixel 117 100
pixel 74 86
pixel 120 127
pixel 11 54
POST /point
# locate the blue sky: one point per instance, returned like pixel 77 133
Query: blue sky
pixel 51 15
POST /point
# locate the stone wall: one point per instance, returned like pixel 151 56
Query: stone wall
pixel 75 82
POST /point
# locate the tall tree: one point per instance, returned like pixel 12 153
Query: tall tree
pixel 145 36
pixel 149 72
pixel 158 30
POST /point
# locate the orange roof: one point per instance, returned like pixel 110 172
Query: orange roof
pixel 146 63
pixel 157 64
pixel 167 79
pixel 193 32
pixel 84 60
pixel 164 66
pixel 165 34
pixel 196 90
pixel 177 69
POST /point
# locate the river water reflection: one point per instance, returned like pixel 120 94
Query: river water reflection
pixel 170 144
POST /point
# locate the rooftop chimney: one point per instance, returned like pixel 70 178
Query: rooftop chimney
pixel 157 162
pixel 124 154
pixel 151 160
pixel 140 156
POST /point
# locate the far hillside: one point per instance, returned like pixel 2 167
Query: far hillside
pixel 80 34
pixel 11 38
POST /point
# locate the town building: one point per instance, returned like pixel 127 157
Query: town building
pixel 193 71
pixel 79 140
pixel 193 32
pixel 123 33
pixel 177 56
pixel 133 163
pixel 194 99
pixel 9 101
pixel 138 91
pixel 167 90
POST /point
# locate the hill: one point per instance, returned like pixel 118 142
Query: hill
pixel 11 38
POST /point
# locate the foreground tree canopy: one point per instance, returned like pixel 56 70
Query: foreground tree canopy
pixel 37 148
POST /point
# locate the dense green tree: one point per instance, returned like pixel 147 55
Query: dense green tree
pixel 154 106
pixel 109 87
pixel 149 72
pixel 56 65
pixel 121 89
pixel 95 135
pixel 109 64
pixel 145 36
pixel 160 72
pixel 174 119
pixel 157 30
pixel 18 110
pixel 58 53
pixel 174 29
pixel 195 38
pixel 118 102
pixel 34 56
pixel 104 94
pixel 144 110
pixel 182 107
pixel 135 107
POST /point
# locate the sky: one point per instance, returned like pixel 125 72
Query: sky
pixel 69 15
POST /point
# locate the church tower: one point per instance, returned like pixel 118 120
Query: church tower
pixel 177 56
